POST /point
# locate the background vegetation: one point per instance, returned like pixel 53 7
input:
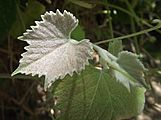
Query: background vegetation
pixel 99 20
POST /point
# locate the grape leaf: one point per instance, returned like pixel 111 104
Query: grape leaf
pixel 130 62
pixel 78 33
pixel 51 51
pixel 96 95
pixel 126 68
pixel 26 17
pixel 115 47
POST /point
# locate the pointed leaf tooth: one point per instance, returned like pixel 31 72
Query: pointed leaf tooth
pixel 37 23
pixel 65 12
pixel 52 13
pixel 26 48
pixel 24 34
pixel 40 75
pixel 47 14
pixel 28 30
pixel 59 13
pixel 20 38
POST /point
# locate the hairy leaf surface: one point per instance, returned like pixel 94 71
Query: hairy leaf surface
pixel 51 51
pixel 96 95
pixel 130 62
pixel 126 68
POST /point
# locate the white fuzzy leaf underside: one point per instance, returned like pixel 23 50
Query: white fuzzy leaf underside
pixel 130 62
pixel 51 52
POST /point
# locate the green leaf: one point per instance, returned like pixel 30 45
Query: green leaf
pixel 96 95
pixel 27 17
pixel 130 62
pixel 127 68
pixel 78 33
pixel 51 51
pixel 115 47
pixel 33 11
pixel 7 16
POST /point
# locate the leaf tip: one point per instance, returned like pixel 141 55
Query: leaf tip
pixel 14 73
pixel 58 12
pixel 20 37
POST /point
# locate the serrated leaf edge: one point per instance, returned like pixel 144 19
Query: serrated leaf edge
pixel 43 20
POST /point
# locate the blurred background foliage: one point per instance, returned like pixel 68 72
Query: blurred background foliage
pixel 98 20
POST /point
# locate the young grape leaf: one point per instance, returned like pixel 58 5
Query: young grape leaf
pixel 51 51
pixel 115 47
pixel 96 95
pixel 127 68
pixel 130 62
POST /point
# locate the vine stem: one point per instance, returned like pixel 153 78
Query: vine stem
pixel 130 35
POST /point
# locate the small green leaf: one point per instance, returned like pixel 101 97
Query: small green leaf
pixel 96 95
pixel 130 62
pixel 115 47
pixel 27 17
pixel 78 33
pixel 127 68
